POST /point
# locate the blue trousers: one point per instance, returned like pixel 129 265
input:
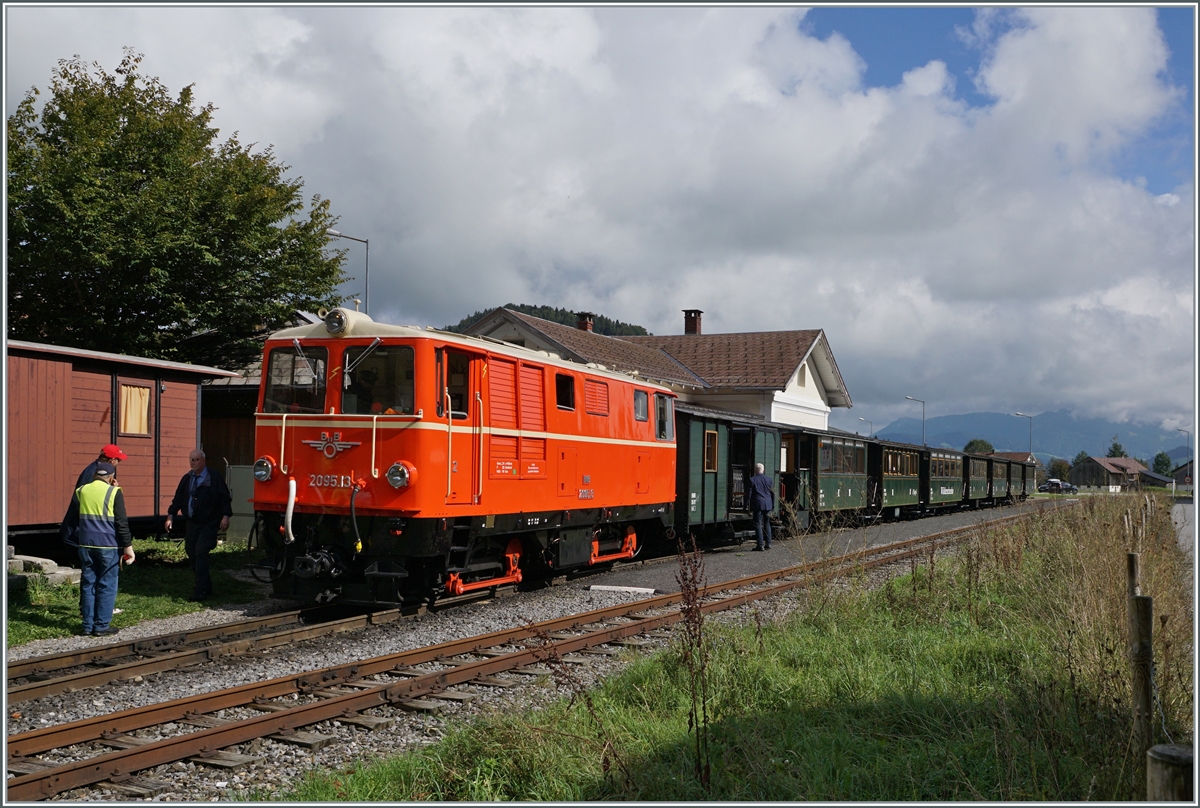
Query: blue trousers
pixel 98 571
pixel 199 541
pixel 762 528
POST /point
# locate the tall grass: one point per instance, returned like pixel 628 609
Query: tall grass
pixel 999 674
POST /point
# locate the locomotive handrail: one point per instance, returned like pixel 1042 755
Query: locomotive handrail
pixel 374 433
pixel 282 432
pixel 477 482
pixel 449 442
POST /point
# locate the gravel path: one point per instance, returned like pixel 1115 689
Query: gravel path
pixel 281 765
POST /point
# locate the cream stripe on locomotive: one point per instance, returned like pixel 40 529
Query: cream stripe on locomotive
pixel 440 426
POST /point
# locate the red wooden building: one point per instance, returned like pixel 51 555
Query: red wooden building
pixel 64 404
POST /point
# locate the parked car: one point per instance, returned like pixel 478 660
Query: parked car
pixel 1055 486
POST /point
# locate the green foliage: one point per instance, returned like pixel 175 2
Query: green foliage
pixel 1059 468
pixel 600 323
pixel 1080 458
pixel 156 585
pixel 1116 450
pixel 1162 463
pixel 132 230
pixel 978 446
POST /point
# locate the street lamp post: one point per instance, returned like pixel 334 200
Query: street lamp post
pixel 1030 417
pixel 366 265
pixel 870 424
pixel 910 398
pixel 1189 441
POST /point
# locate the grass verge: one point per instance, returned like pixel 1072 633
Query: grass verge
pixel 1000 674
pixel 157 585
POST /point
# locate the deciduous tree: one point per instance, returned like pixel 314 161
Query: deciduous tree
pixel 131 229
pixel 978 446
pixel 1162 463
pixel 1059 468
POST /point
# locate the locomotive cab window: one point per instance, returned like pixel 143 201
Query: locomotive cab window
pixel 664 416
pixel 379 381
pixel 295 379
pixel 458 383
pixel 641 405
pixel 564 391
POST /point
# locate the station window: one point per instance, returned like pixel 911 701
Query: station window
pixel 564 389
pixel 710 450
pixel 641 405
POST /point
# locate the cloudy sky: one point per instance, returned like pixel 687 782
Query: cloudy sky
pixel 989 210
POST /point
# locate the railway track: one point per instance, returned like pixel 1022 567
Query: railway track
pixel 204 728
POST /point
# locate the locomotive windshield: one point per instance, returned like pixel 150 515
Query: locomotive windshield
pixel 295 380
pixel 380 381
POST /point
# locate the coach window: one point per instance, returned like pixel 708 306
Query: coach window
pixel 710 450
pixel 664 414
pixel 135 409
pixel 641 405
pixel 564 387
pixel 295 379
pixel 378 381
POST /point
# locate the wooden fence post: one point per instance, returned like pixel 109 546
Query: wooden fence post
pixel 1169 773
pixel 1141 627
pixel 1133 582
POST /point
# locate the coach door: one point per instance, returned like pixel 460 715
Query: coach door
pixel 461 407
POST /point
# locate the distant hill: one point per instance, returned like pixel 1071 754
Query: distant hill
pixel 1055 434
pixel 600 323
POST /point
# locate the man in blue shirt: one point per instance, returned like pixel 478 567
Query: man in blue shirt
pixel 762 502
pixel 204 499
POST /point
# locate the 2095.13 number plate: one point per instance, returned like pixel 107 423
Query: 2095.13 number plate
pixel 330 481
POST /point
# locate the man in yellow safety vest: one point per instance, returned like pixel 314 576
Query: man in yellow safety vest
pixel 97 523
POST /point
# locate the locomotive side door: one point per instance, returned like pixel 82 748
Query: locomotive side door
pixel 461 405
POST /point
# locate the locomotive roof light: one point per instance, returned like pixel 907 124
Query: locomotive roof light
pixel 336 321
pixel 263 469
pixel 401 474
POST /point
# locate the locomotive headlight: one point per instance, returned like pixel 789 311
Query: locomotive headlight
pixel 263 468
pixel 401 475
pixel 335 321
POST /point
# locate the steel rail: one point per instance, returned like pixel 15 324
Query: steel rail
pixel 123 763
pixel 32 666
pixel 183 656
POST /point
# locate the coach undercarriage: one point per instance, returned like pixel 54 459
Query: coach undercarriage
pixel 403 561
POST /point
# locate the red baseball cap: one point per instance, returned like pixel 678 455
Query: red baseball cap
pixel 113 452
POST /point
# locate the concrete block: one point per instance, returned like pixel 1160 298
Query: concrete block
pixel 63 575
pixel 35 564
pixel 11 551
pixel 17 583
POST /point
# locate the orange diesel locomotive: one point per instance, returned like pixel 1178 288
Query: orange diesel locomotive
pixel 397 464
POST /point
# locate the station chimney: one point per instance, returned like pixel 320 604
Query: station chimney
pixel 583 320
pixel 691 321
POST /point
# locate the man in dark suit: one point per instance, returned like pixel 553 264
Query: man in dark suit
pixel 762 502
pixel 203 497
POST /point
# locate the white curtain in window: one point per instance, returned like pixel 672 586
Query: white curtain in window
pixel 135 410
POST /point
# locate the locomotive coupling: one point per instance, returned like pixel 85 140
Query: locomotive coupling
pixel 320 564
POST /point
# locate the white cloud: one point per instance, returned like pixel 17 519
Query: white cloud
pixel 638 161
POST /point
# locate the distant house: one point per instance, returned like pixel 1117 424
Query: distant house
pixel 1019 457
pixel 1101 472
pixel 786 377
pixel 1183 474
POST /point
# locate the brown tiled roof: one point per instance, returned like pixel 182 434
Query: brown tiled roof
pixel 1120 465
pixel 1023 457
pixel 614 354
pixel 762 359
